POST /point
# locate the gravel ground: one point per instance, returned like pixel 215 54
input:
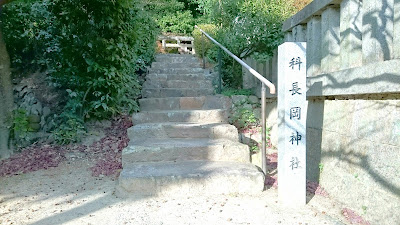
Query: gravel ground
pixel 69 194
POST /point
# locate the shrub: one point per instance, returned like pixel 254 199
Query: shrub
pixel 28 28
pixel 203 43
pixel 244 118
pixel 246 28
pixel 178 23
pixel 93 48
pixel 20 127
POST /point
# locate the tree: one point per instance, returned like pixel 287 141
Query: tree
pixel 6 95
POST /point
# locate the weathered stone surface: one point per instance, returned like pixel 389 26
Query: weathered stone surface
pixel 175 103
pixel 350 34
pixel 314 45
pixel 176 92
pixel 37 109
pixel 177 149
pixel 380 77
pixel 254 99
pixel 247 106
pixel 192 103
pixel 161 65
pixel 176 70
pixel 183 130
pixel 176 59
pixel 34 126
pixel 34 119
pixel 180 121
pixel 198 116
pixel 46 112
pixel 377 32
pixel 299 33
pixel 189 178
pixel 239 99
pixel 330 47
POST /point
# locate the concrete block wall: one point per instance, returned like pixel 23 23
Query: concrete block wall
pixel 353 121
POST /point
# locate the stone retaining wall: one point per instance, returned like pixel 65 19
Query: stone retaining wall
pixel 353 82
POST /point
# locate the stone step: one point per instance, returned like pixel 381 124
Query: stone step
pixel 176 92
pixel 183 130
pixel 184 116
pixel 183 149
pixel 176 70
pixel 189 178
pixel 188 64
pixel 185 103
pixel 201 76
pixel 151 83
pixel 176 58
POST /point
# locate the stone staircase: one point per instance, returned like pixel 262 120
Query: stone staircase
pixel 181 143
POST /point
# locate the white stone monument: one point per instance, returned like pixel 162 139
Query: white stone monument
pixel 292 114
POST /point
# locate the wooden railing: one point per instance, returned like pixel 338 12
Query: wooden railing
pixel 184 44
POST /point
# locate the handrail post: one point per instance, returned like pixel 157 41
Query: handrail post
pixel 219 71
pixel 264 130
pixel 203 50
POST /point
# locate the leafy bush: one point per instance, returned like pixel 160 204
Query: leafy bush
pixel 246 28
pixel 229 92
pixel 172 16
pixel 203 43
pixel 98 53
pixel 20 125
pixel 93 48
pixel 28 29
pixel 70 129
pixel 178 23
pixel 244 118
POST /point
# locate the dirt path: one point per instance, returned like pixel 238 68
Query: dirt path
pixel 77 192
pixel 69 194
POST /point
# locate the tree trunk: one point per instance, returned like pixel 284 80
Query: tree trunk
pixel 6 99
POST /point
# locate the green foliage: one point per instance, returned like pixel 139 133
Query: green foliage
pixel 92 48
pixel 246 28
pixel 244 118
pixel 178 23
pixel 254 149
pixel 364 209
pixel 70 129
pixel 229 92
pixel 203 44
pixel 172 15
pixel 20 125
pixel 98 53
pixel 28 31
pixel 321 167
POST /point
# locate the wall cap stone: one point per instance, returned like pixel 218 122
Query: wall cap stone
pixel 315 8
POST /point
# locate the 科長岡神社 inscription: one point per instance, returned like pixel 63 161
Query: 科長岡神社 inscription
pixel 292 110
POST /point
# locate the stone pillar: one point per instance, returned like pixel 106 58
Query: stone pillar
pixel 314 46
pixel 350 34
pixel 330 47
pixel 292 115
pixel 249 81
pixel 299 33
pixel 377 39
pixel 274 68
pixel 288 37
pixel 246 74
pixel 259 69
pixel 396 32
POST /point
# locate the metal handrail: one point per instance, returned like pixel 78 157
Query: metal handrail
pixel 264 82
